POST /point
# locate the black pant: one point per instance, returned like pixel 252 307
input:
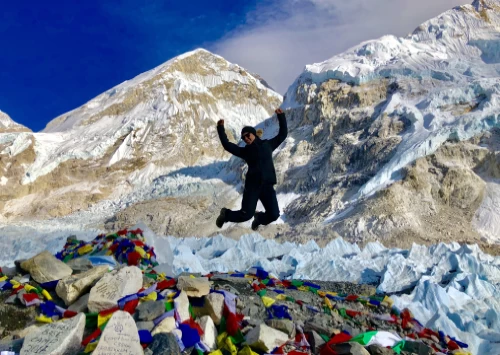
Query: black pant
pixel 252 193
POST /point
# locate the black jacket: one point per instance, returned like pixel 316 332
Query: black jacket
pixel 259 154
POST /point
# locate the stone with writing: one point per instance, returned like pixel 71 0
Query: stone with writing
pixel 45 267
pixel 72 287
pixel 59 338
pixel 113 286
pixel 194 287
pixel 120 337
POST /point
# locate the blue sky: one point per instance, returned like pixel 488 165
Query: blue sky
pixel 58 54
pixel 55 55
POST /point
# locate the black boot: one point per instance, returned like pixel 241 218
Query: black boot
pixel 255 222
pixel 222 218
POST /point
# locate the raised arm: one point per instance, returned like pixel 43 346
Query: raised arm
pixel 230 147
pixel 283 132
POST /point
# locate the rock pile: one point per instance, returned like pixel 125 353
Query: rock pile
pixel 105 297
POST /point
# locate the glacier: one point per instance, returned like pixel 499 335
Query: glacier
pixel 450 287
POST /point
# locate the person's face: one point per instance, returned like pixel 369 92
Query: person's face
pixel 248 138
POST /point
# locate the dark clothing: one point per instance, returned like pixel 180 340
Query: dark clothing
pixel 260 177
pixel 253 192
pixel 259 154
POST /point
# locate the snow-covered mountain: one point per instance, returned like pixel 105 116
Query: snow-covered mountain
pixel 8 125
pixel 393 140
pixel 118 142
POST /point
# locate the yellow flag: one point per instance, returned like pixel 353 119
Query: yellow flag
pixel 43 319
pixel 103 319
pixel 151 297
pixel 90 347
pixel 268 301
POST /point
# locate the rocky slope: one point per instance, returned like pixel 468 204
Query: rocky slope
pixel 393 140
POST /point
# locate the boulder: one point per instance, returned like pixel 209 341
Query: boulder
pixel 214 306
pixel 120 336
pixel 72 287
pixel 210 333
pixel 194 287
pixel 316 341
pixel 182 306
pixel 349 349
pixel 165 344
pixel 166 326
pixel 417 348
pixel 149 325
pixel 284 325
pixel 150 310
pixel 80 265
pixel 264 338
pixel 62 337
pixel 378 350
pixel 45 267
pixel 113 286
pixel 81 304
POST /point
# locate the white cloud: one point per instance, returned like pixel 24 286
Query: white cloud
pixel 281 37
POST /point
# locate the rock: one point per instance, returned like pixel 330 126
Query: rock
pixel 378 350
pixel 210 333
pixel 120 336
pixel 34 328
pixel 62 337
pixel 319 326
pixel 80 265
pixel 45 267
pixel 265 338
pixel 149 325
pixel 315 341
pixel 182 306
pixel 166 326
pixel 113 286
pixel 194 287
pixel 214 306
pixel 81 304
pixel 349 349
pixel 284 325
pixel 417 348
pixel 164 344
pixel 72 287
pixel 150 310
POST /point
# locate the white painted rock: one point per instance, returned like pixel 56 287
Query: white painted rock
pixel 214 306
pixel 59 338
pixel 72 287
pixel 210 333
pixel 113 286
pixel 45 267
pixel 119 337
pixel 181 304
pixel 166 326
pixel 265 338
pixel 194 287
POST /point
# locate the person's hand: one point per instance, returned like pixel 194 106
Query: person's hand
pixel 279 111
pixel 220 123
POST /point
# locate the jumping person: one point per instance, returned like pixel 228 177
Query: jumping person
pixel 260 178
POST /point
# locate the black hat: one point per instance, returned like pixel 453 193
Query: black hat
pixel 248 129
